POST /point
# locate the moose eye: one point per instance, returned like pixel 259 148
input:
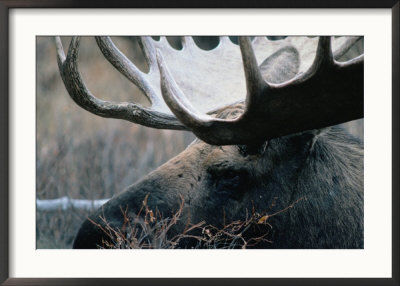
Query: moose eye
pixel 230 174
pixel 229 182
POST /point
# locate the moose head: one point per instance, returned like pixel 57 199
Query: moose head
pixel 264 114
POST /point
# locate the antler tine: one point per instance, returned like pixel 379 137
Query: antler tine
pixel 255 83
pixel 323 58
pixel 324 50
pixel 356 62
pixel 149 52
pixel 345 47
pixel 187 41
pixel 127 68
pixel 60 51
pixel 163 40
pixel 224 40
pixel 83 97
pixel 177 101
pixel 73 50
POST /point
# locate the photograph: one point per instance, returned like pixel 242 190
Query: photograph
pixel 224 144
pixel 200 142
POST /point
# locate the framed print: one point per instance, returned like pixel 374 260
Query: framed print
pixel 216 145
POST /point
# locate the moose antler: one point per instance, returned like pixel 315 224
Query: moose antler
pixel 135 113
pixel 324 94
pixel 328 93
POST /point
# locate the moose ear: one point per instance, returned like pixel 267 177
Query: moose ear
pixel 281 66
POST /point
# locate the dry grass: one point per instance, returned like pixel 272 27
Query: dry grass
pixel 149 230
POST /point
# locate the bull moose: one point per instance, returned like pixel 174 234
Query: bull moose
pixel 265 114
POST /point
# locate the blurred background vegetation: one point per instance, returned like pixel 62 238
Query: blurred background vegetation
pixel 83 156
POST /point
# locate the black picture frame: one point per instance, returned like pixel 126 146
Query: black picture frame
pixel 5 128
